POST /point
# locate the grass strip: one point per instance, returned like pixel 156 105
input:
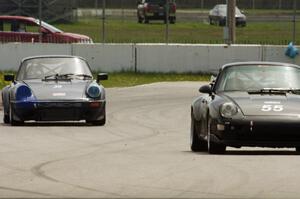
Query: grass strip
pixel 127 79
pixel 129 31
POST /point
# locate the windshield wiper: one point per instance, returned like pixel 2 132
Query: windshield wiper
pixel 279 91
pixel 66 76
pixel 58 76
pixel 295 91
pixel 84 76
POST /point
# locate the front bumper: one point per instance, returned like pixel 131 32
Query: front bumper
pixel 257 131
pixel 70 110
pixel 240 21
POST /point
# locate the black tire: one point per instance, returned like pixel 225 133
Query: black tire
pixel 6 119
pixel 212 147
pixel 172 21
pixel 197 144
pixel 140 20
pixel 14 122
pixel 222 22
pixel 146 20
pixel 298 149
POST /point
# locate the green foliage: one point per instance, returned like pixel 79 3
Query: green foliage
pixel 125 79
pixel 2 82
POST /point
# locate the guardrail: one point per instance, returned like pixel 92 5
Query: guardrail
pixel 180 58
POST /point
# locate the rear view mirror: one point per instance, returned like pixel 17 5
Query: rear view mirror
pixel 102 76
pixel 205 89
pixel 9 78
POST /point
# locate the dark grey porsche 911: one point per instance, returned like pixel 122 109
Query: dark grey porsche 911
pixel 248 104
pixel 54 88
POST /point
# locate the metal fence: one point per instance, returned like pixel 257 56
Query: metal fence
pixel 268 21
pixel 202 4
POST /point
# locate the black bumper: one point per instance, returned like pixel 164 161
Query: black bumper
pixel 159 16
pixel 59 110
pixel 258 131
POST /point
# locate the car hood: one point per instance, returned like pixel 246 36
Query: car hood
pixel 58 90
pixel 264 104
pixel 76 36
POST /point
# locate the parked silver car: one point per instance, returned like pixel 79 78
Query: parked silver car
pixel 218 14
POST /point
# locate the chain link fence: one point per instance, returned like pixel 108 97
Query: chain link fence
pixel 268 21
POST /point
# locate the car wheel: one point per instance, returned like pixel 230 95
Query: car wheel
pixel 213 147
pixel 6 119
pixel 222 22
pixel 13 122
pixel 172 21
pixel 146 20
pixel 196 143
pixel 140 20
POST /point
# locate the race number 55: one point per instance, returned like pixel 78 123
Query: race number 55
pixel 276 108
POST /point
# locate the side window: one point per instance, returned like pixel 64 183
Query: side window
pixel 33 28
pixel 17 26
pixel 6 26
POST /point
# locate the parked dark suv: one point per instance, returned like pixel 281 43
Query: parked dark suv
pixel 155 10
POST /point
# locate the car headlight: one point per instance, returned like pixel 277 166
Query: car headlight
pixel 23 92
pixel 228 109
pixel 93 91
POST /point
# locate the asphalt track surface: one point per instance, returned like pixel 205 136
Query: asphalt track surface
pixel 142 151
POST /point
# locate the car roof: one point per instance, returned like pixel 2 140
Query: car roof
pixel 237 64
pixel 8 17
pixel 52 56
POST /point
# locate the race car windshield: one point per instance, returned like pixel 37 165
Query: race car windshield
pixel 223 10
pixel 48 26
pixel 39 68
pixel 259 78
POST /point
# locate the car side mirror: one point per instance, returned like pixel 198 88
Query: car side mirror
pixel 205 89
pixel 102 76
pixel 9 78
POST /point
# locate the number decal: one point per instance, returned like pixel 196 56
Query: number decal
pixel 278 108
pixel 275 108
pixel 266 108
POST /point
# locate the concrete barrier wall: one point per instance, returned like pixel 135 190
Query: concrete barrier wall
pixel 147 57
pixel 192 58
pixel 107 57
pixel 11 54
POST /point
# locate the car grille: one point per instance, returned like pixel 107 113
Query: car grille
pixel 266 133
pixel 59 114
pixel 59 105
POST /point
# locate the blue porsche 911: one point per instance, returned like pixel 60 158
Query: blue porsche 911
pixel 54 88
